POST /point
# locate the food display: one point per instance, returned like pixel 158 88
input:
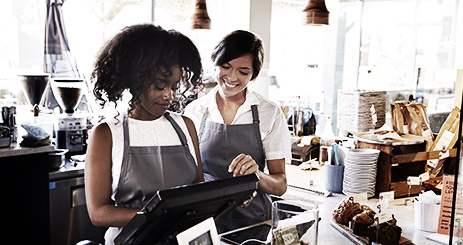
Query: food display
pixel 387 233
pixel 362 221
pixel 360 224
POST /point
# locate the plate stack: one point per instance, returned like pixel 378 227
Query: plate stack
pixel 360 171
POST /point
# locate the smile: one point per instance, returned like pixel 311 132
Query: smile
pixel 164 106
pixel 229 85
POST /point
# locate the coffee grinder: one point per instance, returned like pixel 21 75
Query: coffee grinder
pixel 33 88
pixel 70 126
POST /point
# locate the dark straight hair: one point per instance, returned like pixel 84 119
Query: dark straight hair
pixel 237 44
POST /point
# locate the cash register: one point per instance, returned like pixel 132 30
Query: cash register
pixel 171 211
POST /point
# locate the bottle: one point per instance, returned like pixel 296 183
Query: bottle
pixel 327 138
pixel 298 119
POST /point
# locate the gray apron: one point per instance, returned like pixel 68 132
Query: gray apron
pixel 219 145
pixel 142 175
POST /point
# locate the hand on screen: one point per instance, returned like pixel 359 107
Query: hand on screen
pixel 242 164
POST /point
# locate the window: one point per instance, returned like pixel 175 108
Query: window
pixel 363 43
pixel 408 45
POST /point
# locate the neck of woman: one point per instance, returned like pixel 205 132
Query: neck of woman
pixel 140 114
pixel 228 106
pixel 231 101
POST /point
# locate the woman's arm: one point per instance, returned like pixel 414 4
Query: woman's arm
pixel 275 182
pixel 272 183
pixel 194 137
pixel 98 181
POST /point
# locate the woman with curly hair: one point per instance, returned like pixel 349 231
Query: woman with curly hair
pixel 145 148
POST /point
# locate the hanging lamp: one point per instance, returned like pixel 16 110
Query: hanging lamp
pixel 201 19
pixel 316 13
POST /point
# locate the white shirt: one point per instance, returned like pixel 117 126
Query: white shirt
pixel 273 126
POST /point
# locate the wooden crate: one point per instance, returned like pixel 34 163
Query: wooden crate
pixel 398 161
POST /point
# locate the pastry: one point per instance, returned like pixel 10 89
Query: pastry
pixel 361 221
pixel 388 233
pixel 345 211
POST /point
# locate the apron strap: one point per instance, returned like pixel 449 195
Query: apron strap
pixel 177 128
pixel 125 126
pixel 255 114
pixel 256 122
pixel 183 140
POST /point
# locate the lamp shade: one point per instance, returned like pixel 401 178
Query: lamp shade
pixel 316 13
pixel 201 19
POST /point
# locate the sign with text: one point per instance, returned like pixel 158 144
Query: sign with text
pixel 413 180
pixel 389 195
pixel 446 205
pixel 359 197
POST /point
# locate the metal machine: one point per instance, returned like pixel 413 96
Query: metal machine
pixel 70 127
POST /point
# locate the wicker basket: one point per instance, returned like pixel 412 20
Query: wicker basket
pixel 354 110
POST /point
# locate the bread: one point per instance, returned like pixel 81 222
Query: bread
pixel 346 211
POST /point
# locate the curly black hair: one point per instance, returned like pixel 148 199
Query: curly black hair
pixel 132 58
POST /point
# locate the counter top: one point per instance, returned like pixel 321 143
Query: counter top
pixel 17 150
pixel 299 188
pixel 70 169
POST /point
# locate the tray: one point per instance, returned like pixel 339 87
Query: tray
pixel 361 240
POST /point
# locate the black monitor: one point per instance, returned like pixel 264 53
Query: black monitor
pixel 174 210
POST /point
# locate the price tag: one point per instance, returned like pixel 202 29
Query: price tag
pixel 412 180
pixel 387 195
pixel 383 216
pixel 359 197
pixel 433 163
pixel 444 154
pixel 424 176
pixel 384 203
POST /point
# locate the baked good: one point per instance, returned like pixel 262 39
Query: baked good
pixel 345 211
pixel 388 233
pixel 361 221
pixel 365 208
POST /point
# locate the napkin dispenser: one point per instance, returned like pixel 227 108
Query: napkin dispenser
pixel 301 153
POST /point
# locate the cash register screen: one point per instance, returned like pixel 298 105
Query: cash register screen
pixel 174 210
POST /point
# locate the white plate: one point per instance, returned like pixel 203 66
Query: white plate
pixel 369 194
pixel 364 151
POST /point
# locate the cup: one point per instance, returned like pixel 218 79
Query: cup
pixel 294 222
pixel 334 175
pixel 426 215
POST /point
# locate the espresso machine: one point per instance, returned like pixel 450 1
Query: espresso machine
pixel 70 126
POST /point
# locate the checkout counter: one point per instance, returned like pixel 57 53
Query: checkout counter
pixel 24 192
pixel 43 206
pixel 69 219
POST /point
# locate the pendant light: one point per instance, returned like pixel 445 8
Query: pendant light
pixel 201 19
pixel 316 13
